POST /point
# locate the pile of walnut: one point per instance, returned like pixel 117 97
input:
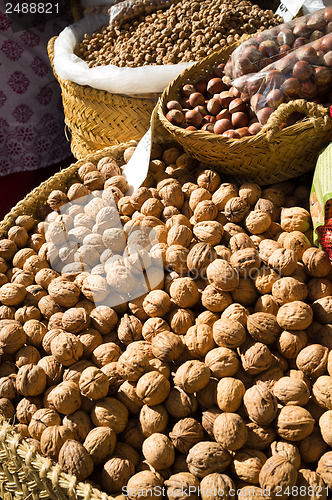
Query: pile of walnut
pixel 220 378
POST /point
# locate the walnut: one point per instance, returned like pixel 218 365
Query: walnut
pixel 65 397
pixel 318 288
pixel 52 439
pixel 222 275
pixel 185 434
pixel 312 447
pixel 266 248
pixel 126 393
pixel 110 412
pixel 290 343
pixel 41 419
pixel 48 306
pixel 215 300
pixel 309 481
pixel 171 193
pixel 312 360
pixel 35 332
pixel 222 362
pixel 100 443
pixel 18 235
pixel 205 210
pixel 294 423
pixel 79 423
pixel 295 219
pixel 56 199
pixel 324 468
pixel 291 391
pixel 147 481
pixel 26 221
pixel 230 392
pixel 26 408
pixel 27 355
pixel 153 326
pixel 208 232
pixel 250 192
pixel 255 356
pixel 260 404
pixel 180 320
pixel 26 313
pixel 106 353
pixel 206 458
pixel 325 427
pixel 93 383
pixel 157 303
pixel 288 450
pixel 289 289
pixel 152 419
pixel 296 315
pixel 176 259
pixel 12 294
pixel 277 473
pixel 31 380
pixel 75 460
pixel 52 368
pixel 236 209
pixel 283 261
pixel 258 221
pixel 7 312
pixel 246 262
pixel 178 484
pixel 322 392
pixel 116 473
pixel 322 309
pixel 260 437
pixel 152 388
pixel 179 403
pixel 228 332
pixel 192 376
pixel 263 327
pixel 7 409
pixel 296 241
pixel 66 348
pixel 158 450
pixel 184 292
pixel 7 249
pixel 34 264
pixel 167 346
pixel 12 336
pixel 316 262
pixel 8 387
pixel 247 464
pixel 75 320
pixel 132 364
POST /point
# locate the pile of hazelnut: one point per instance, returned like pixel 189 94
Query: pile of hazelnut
pixel 218 378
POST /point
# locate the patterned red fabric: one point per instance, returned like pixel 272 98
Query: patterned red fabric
pixel 325 232
pixel 31 115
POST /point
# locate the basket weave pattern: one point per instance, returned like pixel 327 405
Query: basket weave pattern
pixel 271 156
pixel 24 473
pixel 97 119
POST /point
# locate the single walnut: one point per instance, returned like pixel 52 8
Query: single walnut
pixel 26 313
pixel 322 392
pixel 258 221
pixel 199 340
pixel 215 300
pixel 41 419
pixel 106 353
pixel 35 332
pixel 266 248
pixel 129 329
pixel 52 439
pixel 74 459
pixel 255 356
pixel 222 362
pixel 283 261
pixel 79 423
pixel 324 468
pixel 8 387
pixel 222 275
pixel 316 262
pixel 263 327
pixel 116 473
pixel 295 219
pixel 93 383
pixel 75 320
pixel 288 450
pixel 277 474
pixel 322 309
pixel 132 364
pixel 34 263
pixel 294 423
pixel 228 333
pixel 240 241
pixel 152 419
pixel 318 288
pixel 100 443
pixel 126 393
pixel 65 397
pixel 179 403
pixel 267 304
pixel 12 336
pixel 260 404
pixel 7 408
pixel 147 481
pixel 236 209
pixel 12 294
pixel 291 391
pixel 216 482
pixel 52 368
pixel 180 320
pixel 296 315
pixel 7 249
pixel 247 465
pixel 312 360
pixel 152 388
pixel 27 355
pixel 246 262
pixel 110 412
pixel 296 241
pixel 309 481
pixel 26 407
pixel 158 450
pixel 288 290
pixel 31 380
pixel 167 346
pixel 230 392
pixel 184 292
pixel 185 434
pixel 312 447
pixel 178 483
pixel 66 348
pixel 290 343
pixel 208 232
pixel 192 376
pixel 157 303
pixel 250 192
pixel 206 458
pixel 48 306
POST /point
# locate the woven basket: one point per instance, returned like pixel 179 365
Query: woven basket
pixel 271 156
pixel 24 473
pixel 97 119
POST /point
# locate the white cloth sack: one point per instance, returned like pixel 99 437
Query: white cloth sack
pixel 142 80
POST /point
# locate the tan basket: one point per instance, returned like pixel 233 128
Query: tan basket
pixel 97 119
pixel 24 473
pixel 271 156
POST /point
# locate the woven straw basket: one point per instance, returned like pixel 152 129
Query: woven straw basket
pixel 24 473
pixel 97 119
pixel 271 156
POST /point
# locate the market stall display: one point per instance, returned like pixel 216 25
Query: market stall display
pixel 227 357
